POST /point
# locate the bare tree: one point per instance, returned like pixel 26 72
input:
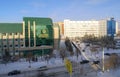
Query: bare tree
pixel 7 56
pixel 62 53
pixel 112 62
pixel 29 56
pixel 69 46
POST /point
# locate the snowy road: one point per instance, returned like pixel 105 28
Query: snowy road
pixel 57 69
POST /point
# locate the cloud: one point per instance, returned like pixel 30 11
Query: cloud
pixel 95 1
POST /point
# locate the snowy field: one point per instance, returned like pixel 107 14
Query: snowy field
pixel 55 62
pixel 24 66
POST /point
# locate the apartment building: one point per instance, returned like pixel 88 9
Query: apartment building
pixel 99 28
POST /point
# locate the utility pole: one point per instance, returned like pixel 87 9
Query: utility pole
pixel 103 60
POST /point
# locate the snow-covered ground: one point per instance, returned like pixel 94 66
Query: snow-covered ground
pixel 111 73
pixel 54 62
pixel 24 66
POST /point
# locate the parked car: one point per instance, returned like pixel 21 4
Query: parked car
pixel 84 62
pixel 14 72
pixel 42 68
pixel 108 54
pixel 96 62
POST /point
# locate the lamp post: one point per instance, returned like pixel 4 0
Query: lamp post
pixel 103 60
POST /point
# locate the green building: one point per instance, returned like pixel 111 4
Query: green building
pixel 11 37
pixel 38 32
pixel 34 35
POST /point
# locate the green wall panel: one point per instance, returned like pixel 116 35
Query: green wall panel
pixel 11 27
pixel 44 31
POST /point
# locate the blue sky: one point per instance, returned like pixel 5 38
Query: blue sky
pixel 58 10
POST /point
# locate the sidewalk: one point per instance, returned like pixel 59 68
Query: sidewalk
pixel 24 66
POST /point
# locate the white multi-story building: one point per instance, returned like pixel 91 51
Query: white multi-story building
pixel 74 29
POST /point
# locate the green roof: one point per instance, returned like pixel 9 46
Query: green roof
pixel 42 21
pixel 11 27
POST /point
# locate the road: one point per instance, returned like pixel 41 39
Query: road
pixel 59 71
pixel 78 71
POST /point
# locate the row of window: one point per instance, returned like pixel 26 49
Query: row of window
pixel 12 45
pixel 4 34
pixel 11 39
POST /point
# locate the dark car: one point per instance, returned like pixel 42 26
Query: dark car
pixel 96 62
pixel 87 44
pixel 107 54
pixel 84 62
pixel 14 72
pixel 43 68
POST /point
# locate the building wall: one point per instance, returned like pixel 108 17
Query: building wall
pixel 80 28
pixel 111 27
pixel 56 35
pixel 61 26
pixel 11 37
pixel 102 28
pixel 117 28
pixel 33 32
pixel 99 28
pixel 38 31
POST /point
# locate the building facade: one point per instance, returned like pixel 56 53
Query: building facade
pixel 56 35
pixel 111 27
pixel 38 32
pixel 34 35
pixel 11 37
pixel 61 26
pixel 74 29
pixel 99 28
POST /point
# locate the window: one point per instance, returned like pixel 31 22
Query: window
pixel 5 46
pixel 16 39
pixel 16 33
pixel 4 39
pixel 10 34
pixel 16 45
pixel 22 45
pixel 10 45
pixel 21 39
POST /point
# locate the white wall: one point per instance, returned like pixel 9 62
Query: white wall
pixel 81 28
